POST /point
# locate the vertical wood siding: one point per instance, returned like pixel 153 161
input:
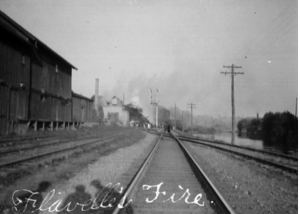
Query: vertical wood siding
pixel 54 89
pixel 83 109
pixel 3 109
pixel 32 88
pixel 14 71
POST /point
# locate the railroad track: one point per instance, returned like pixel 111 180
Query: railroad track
pixel 22 148
pixel 242 147
pixel 284 162
pixel 35 153
pixel 10 142
pixel 170 181
pixel 7 140
pixel 7 143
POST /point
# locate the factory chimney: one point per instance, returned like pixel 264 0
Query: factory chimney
pixel 96 101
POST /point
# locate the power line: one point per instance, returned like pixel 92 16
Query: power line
pixel 274 41
pixel 232 73
pixel 275 33
pixel 281 20
pixel 262 40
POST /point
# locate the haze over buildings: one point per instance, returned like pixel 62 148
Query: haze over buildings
pixel 177 46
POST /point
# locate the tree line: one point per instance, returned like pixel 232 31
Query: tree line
pixel 281 128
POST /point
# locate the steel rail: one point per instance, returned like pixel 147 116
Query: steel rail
pixel 129 191
pixel 158 133
pixel 53 152
pixel 208 181
pixel 15 150
pixel 243 147
pixel 280 166
pixel 49 144
pixel 8 140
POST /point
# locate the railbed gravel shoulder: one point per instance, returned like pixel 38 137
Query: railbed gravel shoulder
pixel 248 186
pixel 105 166
pixel 107 169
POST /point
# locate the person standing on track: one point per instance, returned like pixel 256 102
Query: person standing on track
pixel 169 128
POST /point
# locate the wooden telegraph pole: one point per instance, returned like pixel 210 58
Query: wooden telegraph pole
pixel 175 116
pixel 191 105
pixel 232 73
pixel 296 109
pixel 182 128
pixel 155 103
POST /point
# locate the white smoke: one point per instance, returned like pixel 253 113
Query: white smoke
pixel 135 101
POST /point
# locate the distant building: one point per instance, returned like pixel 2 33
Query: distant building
pixel 115 101
pixel 115 113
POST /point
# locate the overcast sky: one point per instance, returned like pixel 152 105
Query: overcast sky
pixel 177 46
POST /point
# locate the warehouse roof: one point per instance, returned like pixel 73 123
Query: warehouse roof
pixel 17 30
pixel 81 96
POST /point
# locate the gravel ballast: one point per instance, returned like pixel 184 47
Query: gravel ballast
pixel 105 163
pixel 248 186
pixel 108 169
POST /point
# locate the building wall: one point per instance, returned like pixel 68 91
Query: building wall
pixel 83 109
pixel 14 82
pixel 51 97
pixel 35 82
pixel 115 101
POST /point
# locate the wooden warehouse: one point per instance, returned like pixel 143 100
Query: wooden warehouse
pixel 35 82
pixel 83 109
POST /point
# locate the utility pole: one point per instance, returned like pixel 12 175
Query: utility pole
pixel 97 97
pixel 232 73
pixel 296 110
pixel 175 116
pixel 155 103
pixel 192 106
pixel 182 121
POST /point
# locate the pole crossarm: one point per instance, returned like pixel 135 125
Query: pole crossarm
pixel 226 72
pixel 230 66
pixel 191 105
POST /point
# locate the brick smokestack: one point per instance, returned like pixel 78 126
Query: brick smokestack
pixel 97 96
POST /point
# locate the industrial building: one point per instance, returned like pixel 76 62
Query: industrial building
pixel 35 84
pixel 115 113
